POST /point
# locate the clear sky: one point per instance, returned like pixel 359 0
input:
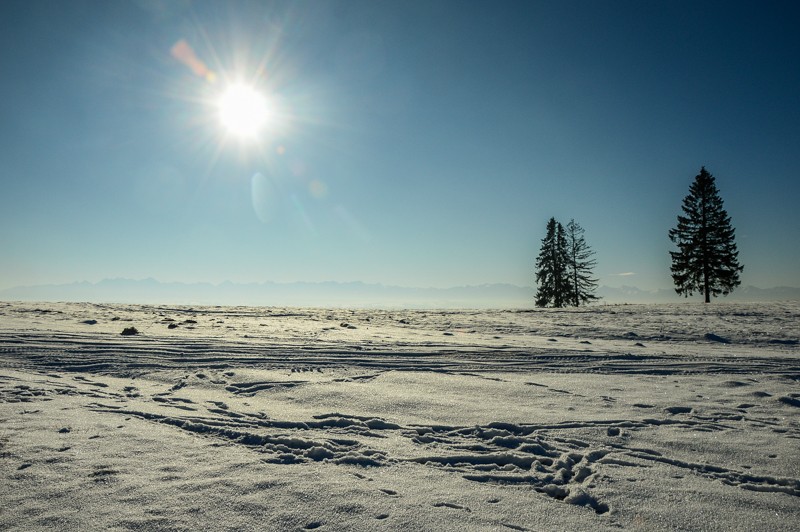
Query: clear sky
pixel 409 143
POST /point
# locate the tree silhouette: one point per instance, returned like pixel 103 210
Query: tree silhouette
pixel 707 258
pixel 580 263
pixel 551 268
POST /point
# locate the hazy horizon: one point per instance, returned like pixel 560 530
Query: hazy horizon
pixel 354 294
pixel 405 143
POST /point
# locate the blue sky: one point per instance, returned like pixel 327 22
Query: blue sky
pixel 416 143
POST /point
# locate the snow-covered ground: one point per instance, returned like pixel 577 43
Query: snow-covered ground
pixel 644 417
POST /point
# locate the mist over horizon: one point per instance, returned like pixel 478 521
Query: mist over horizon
pixel 356 294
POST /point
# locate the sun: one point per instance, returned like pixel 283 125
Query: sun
pixel 243 110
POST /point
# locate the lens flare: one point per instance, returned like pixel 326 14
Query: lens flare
pixel 184 53
pixel 318 189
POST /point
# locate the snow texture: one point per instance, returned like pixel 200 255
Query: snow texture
pixel 647 417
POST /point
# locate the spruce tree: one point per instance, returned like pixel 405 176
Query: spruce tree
pixel 707 258
pixel 551 268
pixel 580 263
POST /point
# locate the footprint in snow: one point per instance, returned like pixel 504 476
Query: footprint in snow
pixel 450 505
pixel 678 410
pixel 788 400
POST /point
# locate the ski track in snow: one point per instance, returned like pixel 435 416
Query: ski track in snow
pixel 236 357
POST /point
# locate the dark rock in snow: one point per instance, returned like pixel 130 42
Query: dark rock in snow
pixel 129 331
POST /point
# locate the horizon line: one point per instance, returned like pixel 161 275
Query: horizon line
pixel 349 282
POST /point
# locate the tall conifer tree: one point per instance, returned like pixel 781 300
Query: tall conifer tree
pixel 580 263
pixel 551 268
pixel 707 258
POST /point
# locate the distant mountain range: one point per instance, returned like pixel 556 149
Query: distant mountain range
pixel 302 294
pixel 336 294
pixel 631 294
